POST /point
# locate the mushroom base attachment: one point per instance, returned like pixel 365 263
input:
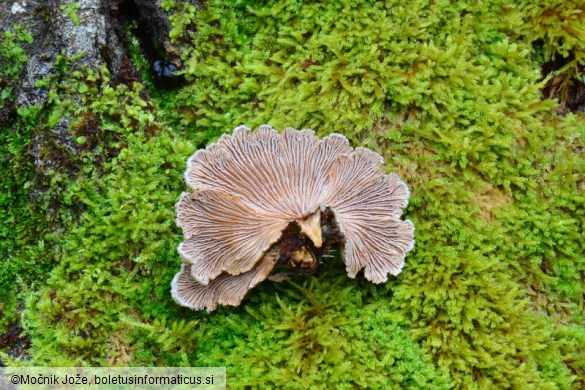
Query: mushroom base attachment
pixel 299 254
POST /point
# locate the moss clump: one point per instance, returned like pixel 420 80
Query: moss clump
pixel 43 200
pixel 463 306
pixel 323 332
pixel 11 64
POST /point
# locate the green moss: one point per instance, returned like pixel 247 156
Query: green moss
pixel 12 61
pixel 325 332
pixel 73 92
pixel 559 25
pixel 40 205
pixel 461 304
pixel 70 9
pixel 452 98
pixel 19 224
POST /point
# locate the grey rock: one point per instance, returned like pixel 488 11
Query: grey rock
pixel 46 145
pixel 88 37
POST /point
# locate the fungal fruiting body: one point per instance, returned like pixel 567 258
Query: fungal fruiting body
pixel 264 202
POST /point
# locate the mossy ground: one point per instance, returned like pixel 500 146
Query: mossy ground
pixel 450 93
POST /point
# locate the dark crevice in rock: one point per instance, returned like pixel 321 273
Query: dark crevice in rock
pixel 566 84
pixel 151 27
pixel 14 343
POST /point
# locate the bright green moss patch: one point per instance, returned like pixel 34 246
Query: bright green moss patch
pixel 12 61
pixel 461 303
pixel 462 88
pixel 448 92
pixel 327 331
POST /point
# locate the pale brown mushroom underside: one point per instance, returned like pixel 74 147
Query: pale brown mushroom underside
pixel 248 187
pixel 226 289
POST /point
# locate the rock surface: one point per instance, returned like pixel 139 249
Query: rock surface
pixel 97 31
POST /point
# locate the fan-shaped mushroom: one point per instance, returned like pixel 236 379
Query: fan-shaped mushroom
pixel 264 200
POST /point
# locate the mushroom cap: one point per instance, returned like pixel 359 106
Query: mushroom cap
pixel 367 206
pixel 247 188
pixel 223 233
pixel 226 289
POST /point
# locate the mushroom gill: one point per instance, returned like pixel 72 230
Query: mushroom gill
pixel 264 202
